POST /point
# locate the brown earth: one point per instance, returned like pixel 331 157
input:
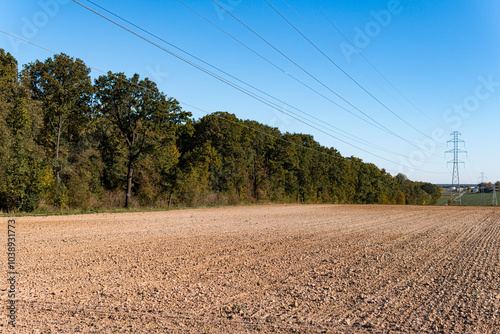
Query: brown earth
pixel 280 268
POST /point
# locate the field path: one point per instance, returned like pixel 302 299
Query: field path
pixel 268 269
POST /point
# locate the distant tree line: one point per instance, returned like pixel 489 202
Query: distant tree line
pixel 487 187
pixel 67 142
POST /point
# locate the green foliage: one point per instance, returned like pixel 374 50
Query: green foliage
pixel 155 178
pixel 84 189
pixel 65 143
pixel 140 117
pixel 418 193
pixel 192 185
pixel 21 159
pixel 400 198
pixel 63 86
pixel 20 185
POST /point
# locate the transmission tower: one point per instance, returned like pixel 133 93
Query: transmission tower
pixel 455 180
pixel 494 199
pixel 481 187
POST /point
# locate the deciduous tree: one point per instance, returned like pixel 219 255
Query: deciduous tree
pixel 142 117
pixel 63 85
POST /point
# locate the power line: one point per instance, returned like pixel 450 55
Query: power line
pixel 313 77
pixel 470 178
pixel 241 89
pixel 346 134
pixel 146 88
pixel 281 70
pixel 356 139
pixel 344 72
pixel 474 170
pixel 370 63
pixel 239 124
pixel 327 40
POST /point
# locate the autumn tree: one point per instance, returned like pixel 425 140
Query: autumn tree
pixel 76 145
pixel 63 85
pixel 139 116
pixel 21 159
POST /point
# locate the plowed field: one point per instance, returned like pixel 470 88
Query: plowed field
pixel 283 269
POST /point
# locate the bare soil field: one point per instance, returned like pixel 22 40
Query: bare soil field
pixel 268 269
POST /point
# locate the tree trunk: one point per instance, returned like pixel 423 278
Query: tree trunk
pixel 128 196
pixel 255 183
pixel 170 199
pixel 58 140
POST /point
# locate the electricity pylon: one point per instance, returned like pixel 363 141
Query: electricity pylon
pixel 481 187
pixel 494 199
pixel 455 179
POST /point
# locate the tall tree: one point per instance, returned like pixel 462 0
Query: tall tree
pixel 139 114
pixel 21 159
pixel 64 87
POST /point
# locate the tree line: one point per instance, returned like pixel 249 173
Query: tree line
pixel 488 187
pixel 67 141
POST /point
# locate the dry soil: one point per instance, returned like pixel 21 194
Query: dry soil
pixel 279 268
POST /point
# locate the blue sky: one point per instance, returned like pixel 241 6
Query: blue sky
pixel 443 56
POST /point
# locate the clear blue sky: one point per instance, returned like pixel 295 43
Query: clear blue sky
pixel 443 56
